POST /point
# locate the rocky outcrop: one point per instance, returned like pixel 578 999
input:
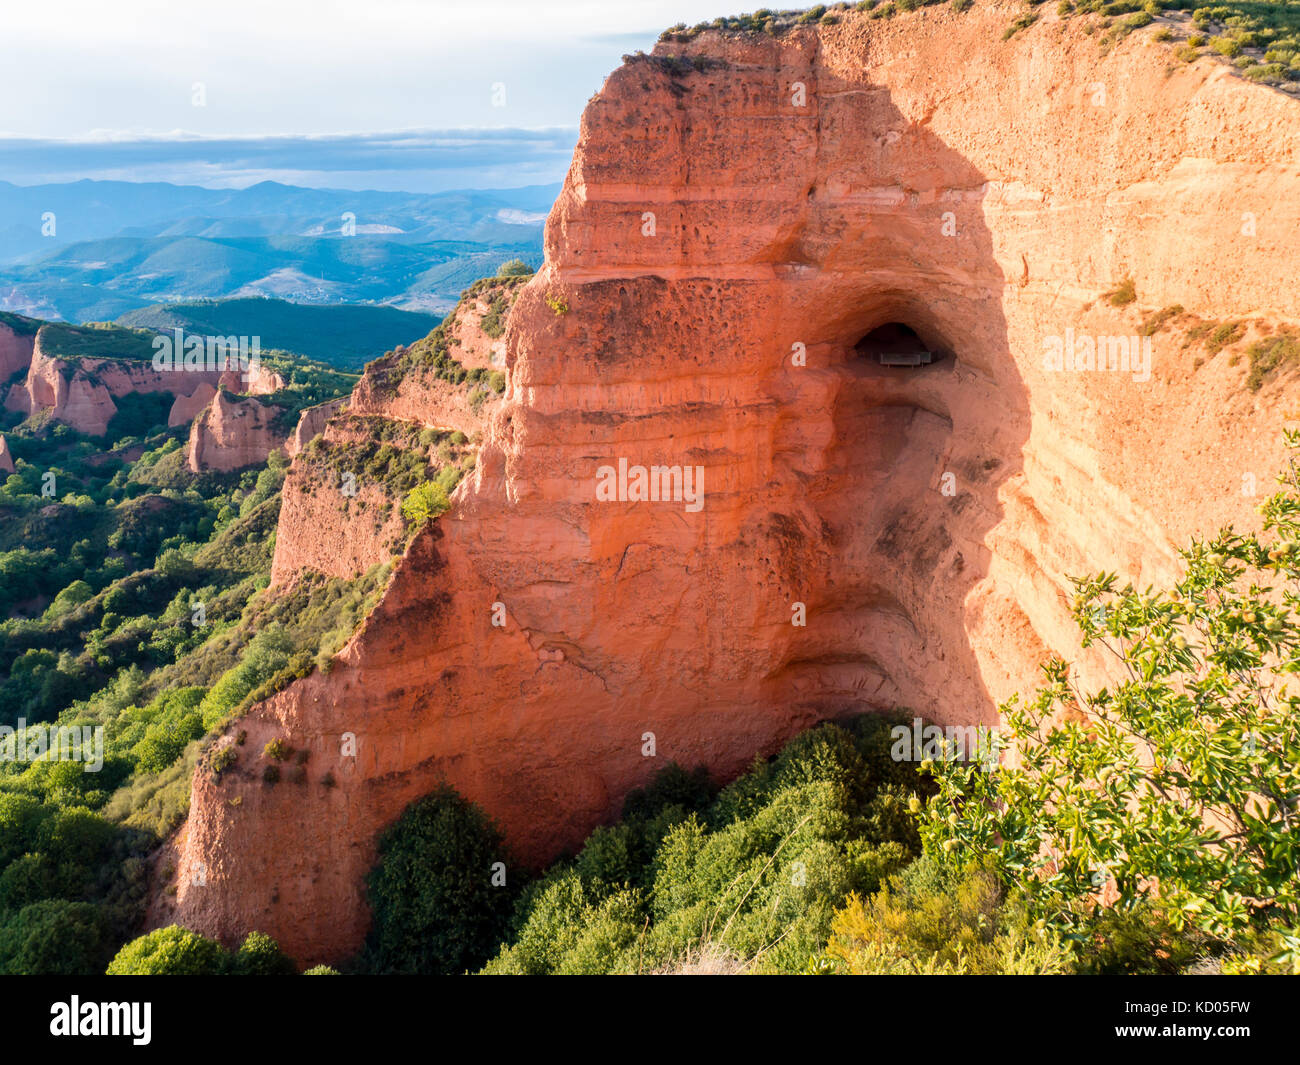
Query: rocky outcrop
pixel 475 328
pixel 6 459
pixel 257 380
pixel 80 392
pixel 741 212
pixel 232 433
pixel 15 350
pixel 420 396
pixel 311 423
pixel 324 530
pixel 186 408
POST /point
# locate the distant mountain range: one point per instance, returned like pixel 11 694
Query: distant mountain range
pixel 111 247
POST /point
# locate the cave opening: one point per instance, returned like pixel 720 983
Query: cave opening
pixel 896 344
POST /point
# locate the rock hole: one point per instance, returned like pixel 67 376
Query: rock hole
pixel 897 344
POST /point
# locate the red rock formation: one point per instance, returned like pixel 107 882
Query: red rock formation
pixel 80 392
pixel 186 408
pixel 323 530
pixel 15 351
pixel 232 433
pixel 333 521
pixel 312 422
pixel 420 396
pixel 472 337
pixel 6 459
pixel 257 380
pixel 720 247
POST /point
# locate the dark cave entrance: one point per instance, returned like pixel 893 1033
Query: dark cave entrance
pixel 896 344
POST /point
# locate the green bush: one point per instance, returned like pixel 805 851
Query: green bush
pixel 55 937
pixel 260 955
pixel 424 503
pixel 171 951
pixel 434 903
pixel 932 920
pixel 752 875
pixel 1123 294
pixel 1172 790
pixel 1270 355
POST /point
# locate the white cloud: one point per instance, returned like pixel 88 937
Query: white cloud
pixel 293 66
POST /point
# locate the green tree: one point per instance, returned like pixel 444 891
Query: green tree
pixel 436 908
pixel 425 502
pixel 54 937
pixel 171 951
pixel 1177 788
pixel 260 955
pixel 515 268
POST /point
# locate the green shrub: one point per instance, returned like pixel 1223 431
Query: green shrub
pixel 1157 321
pixel 1222 335
pixel 260 955
pixel 55 938
pixel 752 875
pixel 424 503
pixel 1271 354
pixel 1123 294
pixel 171 951
pixel 434 903
pixel 222 759
pixel 930 919
pixel 1167 788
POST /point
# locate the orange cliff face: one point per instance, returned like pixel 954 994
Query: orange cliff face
pixel 81 392
pixel 15 351
pixel 722 244
pixel 339 521
pixel 233 432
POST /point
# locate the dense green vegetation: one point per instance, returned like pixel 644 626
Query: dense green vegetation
pixel 175 951
pixel 750 875
pixel 135 602
pixel 97 340
pixel 342 335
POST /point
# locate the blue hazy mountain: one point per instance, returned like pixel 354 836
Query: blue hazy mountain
pixel 95 250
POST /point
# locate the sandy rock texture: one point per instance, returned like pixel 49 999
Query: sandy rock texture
pixel 233 432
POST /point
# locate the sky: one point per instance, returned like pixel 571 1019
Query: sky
pixel 360 94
